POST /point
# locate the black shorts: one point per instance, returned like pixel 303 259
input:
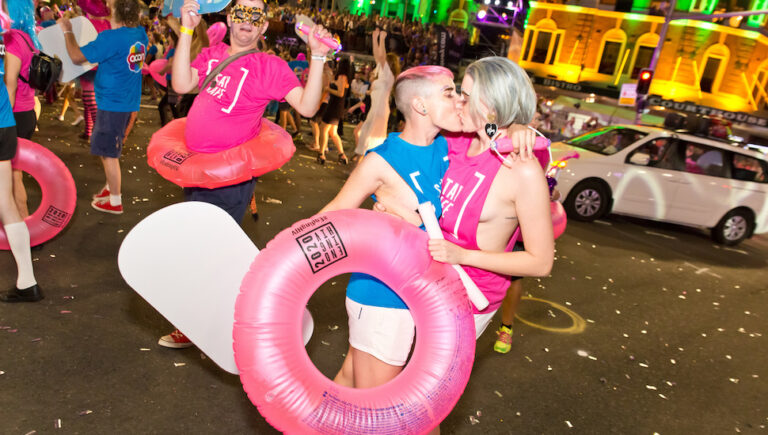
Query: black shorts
pixel 8 143
pixel 25 123
pixel 284 106
pixel 233 199
pixel 319 115
pixel 108 133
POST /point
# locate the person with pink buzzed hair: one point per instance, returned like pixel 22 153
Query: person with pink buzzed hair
pixel 408 166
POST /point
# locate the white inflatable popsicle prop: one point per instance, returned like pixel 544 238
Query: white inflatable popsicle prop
pixel 427 212
pixel 188 261
pixel 52 40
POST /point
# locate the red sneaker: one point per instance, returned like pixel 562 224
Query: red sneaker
pixel 104 193
pixel 175 340
pixel 106 207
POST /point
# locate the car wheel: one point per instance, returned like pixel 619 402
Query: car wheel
pixel 587 201
pixel 734 227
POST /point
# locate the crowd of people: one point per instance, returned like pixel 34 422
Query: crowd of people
pixel 439 142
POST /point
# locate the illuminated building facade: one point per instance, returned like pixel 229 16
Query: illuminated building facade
pixel 598 45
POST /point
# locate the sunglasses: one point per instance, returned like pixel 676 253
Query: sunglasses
pixel 247 14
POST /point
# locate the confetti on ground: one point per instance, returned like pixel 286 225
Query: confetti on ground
pixel 144 349
pixel 494 391
pixel 65 312
pixel 734 380
pixel 651 387
pixel 86 412
pixel 473 420
pixel 272 201
pixel 333 328
pixel 568 423
pixel 179 364
pixel 325 342
pixel 57 424
pixel 582 353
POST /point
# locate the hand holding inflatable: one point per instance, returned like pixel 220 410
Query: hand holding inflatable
pixel 305 26
pixel 427 212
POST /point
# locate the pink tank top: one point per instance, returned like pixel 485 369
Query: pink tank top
pixel 465 187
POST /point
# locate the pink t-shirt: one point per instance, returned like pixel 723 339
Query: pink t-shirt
pixel 14 44
pixel 230 113
pixel 465 187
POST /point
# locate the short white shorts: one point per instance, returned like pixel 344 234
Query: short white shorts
pixel 387 333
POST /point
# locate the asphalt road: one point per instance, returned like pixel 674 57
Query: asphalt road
pixel 642 327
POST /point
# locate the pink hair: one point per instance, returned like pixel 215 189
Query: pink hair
pixel 424 72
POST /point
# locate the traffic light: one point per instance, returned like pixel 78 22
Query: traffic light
pixel 644 81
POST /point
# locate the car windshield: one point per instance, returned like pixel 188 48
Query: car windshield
pixel 608 140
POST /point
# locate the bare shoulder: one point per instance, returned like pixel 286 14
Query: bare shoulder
pixel 522 171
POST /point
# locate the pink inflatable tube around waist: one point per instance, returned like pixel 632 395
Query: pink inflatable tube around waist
pixel 168 154
pixel 275 370
pixel 58 190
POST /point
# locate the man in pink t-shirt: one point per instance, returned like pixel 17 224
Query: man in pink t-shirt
pixel 229 113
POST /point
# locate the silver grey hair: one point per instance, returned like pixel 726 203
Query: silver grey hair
pixel 504 88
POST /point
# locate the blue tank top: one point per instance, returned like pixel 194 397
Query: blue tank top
pixel 422 168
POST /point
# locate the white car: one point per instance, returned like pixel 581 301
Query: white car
pixel 664 175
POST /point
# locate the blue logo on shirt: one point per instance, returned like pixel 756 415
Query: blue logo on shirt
pixel 136 57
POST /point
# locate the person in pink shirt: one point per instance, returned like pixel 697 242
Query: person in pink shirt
pixel 484 198
pixel 229 112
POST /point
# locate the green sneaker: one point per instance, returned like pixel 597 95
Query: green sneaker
pixel 504 342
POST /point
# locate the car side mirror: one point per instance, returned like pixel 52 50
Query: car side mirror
pixel 640 159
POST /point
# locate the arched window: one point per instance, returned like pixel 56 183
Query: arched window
pixel 641 58
pixel 713 67
pixel 611 51
pixel 542 42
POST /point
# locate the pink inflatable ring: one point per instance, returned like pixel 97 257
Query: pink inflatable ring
pixel 168 154
pixel 58 189
pixel 277 373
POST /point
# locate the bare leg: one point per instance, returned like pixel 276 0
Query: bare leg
pixel 511 301
pixel 316 135
pixel 339 146
pixel 325 130
pixel 20 194
pixel 112 172
pixel 291 121
pixel 370 371
pixel 346 376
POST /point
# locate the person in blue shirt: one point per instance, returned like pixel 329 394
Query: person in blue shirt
pixel 408 166
pixel 120 53
pixel 16 231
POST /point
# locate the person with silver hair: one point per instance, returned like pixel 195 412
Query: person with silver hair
pixel 485 196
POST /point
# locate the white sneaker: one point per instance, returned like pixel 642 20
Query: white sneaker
pixel 61 117
pixel 78 120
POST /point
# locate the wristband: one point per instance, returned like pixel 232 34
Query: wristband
pixel 320 57
pixel 69 31
pixel 187 30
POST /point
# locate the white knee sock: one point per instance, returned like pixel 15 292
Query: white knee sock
pixel 18 238
pixel 115 199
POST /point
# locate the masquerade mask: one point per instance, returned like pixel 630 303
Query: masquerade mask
pixel 247 14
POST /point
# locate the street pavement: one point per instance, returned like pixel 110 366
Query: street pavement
pixel 641 328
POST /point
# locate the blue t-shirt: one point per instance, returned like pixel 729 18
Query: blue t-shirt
pixel 422 168
pixel 6 110
pixel 299 67
pixel 120 54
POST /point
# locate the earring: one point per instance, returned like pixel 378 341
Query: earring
pixel 490 128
